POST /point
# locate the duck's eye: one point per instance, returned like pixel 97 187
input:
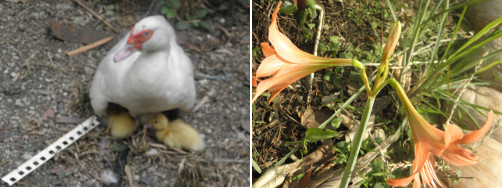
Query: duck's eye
pixel 146 34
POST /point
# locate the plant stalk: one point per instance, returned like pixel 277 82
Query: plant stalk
pixel 356 143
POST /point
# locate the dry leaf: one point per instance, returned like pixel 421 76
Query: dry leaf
pixel 307 119
pixel 304 182
pixel 74 34
pixel 275 176
pixel 353 130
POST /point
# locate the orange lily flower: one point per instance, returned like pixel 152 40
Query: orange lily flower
pixel 430 140
pixel 286 63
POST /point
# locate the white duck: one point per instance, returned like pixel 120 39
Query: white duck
pixel 146 72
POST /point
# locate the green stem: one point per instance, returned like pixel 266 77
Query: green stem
pixel 356 143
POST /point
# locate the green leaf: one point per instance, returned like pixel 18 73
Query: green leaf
pixel 287 10
pixel 311 3
pixel 164 10
pixel 322 47
pixel 336 122
pixel 312 12
pixel 379 185
pixel 299 176
pixel 182 25
pixel 377 165
pixel 196 24
pixel 201 13
pixel 118 147
pixel 256 167
pixel 306 33
pixel 311 25
pixel 175 3
pixel 316 134
pixel 334 39
pixel 170 13
pixel 301 17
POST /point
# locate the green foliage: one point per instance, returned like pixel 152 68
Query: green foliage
pixel 335 123
pixel 192 16
pixel 342 149
pixel 256 167
pixel 302 17
pixel 376 176
pixel 316 134
pixel 333 45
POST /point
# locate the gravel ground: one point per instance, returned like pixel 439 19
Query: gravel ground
pixel 41 87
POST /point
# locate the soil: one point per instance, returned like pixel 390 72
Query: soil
pixel 280 122
pixel 42 90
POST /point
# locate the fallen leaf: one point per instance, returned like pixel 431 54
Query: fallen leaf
pixel 353 130
pixel 275 176
pixel 73 34
pixel 381 103
pixel 67 119
pixel 223 51
pixel 307 119
pixel 304 182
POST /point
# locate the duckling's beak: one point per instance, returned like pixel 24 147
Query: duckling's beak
pixel 124 53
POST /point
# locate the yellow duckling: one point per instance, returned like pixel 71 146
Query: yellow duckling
pixel 121 124
pixel 177 134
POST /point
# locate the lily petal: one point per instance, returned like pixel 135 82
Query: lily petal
pixel 478 134
pixel 267 49
pixel 285 77
pixel 430 137
pixel 458 156
pixel 402 182
pixel 270 66
pixel 421 157
pixel 452 134
pixel 287 50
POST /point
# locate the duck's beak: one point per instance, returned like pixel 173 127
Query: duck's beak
pixel 124 53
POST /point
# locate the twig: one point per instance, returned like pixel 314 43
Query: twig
pixel 464 88
pixel 97 16
pixel 318 38
pixel 89 46
pixel 204 100
pixel 128 173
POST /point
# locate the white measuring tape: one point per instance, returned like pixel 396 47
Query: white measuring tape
pixel 49 152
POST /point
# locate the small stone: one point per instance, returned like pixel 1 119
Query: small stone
pixel 152 152
pixel 19 103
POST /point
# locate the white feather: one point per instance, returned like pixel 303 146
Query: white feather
pixel 156 78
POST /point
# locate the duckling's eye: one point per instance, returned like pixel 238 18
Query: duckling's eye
pixel 155 121
pixel 146 34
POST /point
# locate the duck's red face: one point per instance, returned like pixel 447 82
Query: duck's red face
pixel 134 43
pixel 138 39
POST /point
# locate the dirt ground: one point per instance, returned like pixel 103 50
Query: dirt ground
pixel 41 87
